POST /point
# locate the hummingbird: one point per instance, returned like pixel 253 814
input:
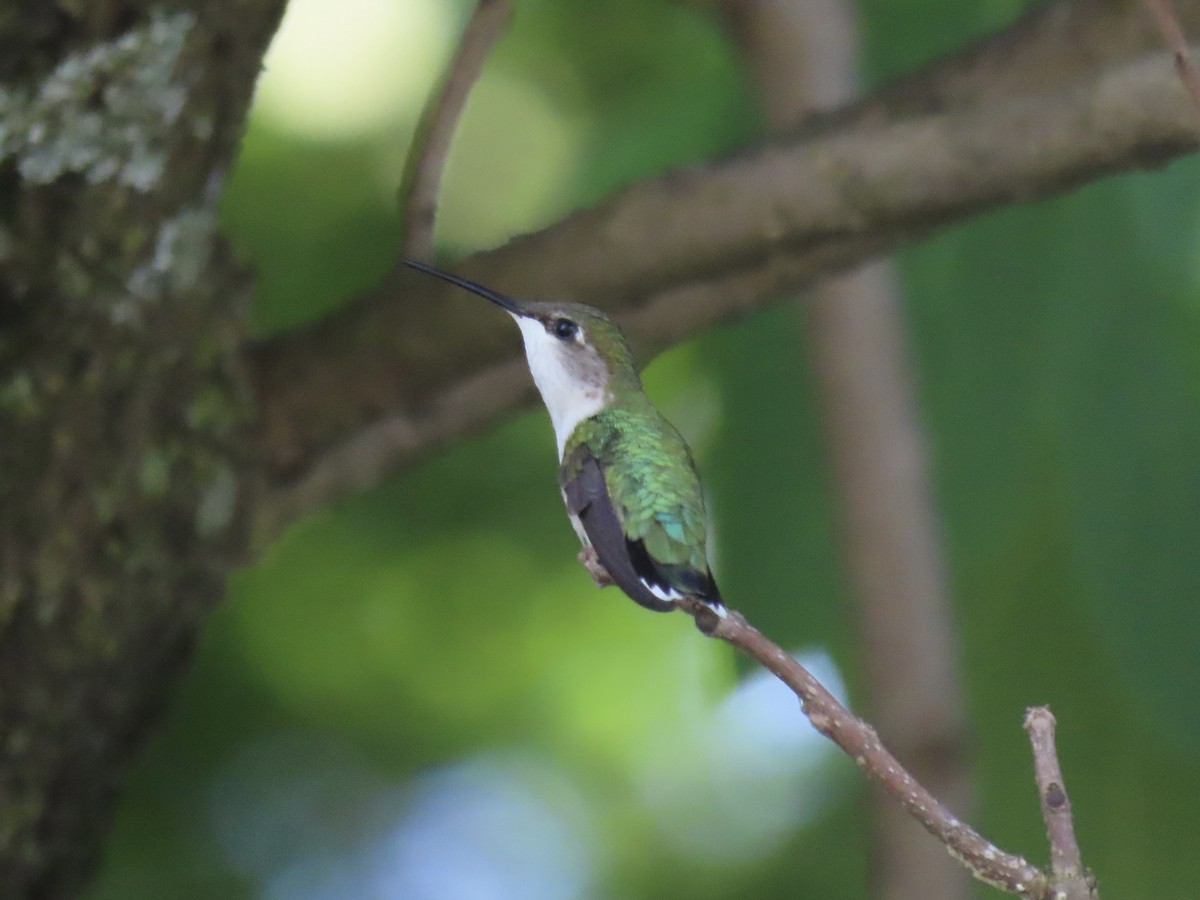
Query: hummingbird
pixel 626 475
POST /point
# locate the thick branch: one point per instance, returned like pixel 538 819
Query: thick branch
pixel 985 860
pixel 679 253
pixel 1172 30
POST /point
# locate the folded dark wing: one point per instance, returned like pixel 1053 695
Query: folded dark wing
pixel 587 498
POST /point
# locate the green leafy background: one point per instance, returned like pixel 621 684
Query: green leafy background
pixel 419 694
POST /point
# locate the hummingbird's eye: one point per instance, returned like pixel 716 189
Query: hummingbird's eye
pixel 565 329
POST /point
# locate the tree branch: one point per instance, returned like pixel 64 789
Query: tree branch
pixel 1172 31
pixel 380 356
pixel 419 187
pixel 1066 864
pixel 987 862
pixel 1050 46
pixel 804 54
pixel 679 253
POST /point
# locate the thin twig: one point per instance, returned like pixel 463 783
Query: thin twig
pixel 889 541
pixel 803 54
pixel 1172 31
pixel 1066 863
pixel 986 861
pixel 419 187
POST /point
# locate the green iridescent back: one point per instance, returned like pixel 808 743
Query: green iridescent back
pixel 651 480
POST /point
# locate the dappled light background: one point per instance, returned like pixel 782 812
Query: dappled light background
pixel 420 694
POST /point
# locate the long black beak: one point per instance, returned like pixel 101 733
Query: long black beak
pixel 500 300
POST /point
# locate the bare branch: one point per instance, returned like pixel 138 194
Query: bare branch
pixel 380 357
pixel 985 860
pixel 1168 24
pixel 419 187
pixel 803 54
pixel 366 458
pixel 889 538
pixel 681 252
pixel 1066 864
pixel 1052 45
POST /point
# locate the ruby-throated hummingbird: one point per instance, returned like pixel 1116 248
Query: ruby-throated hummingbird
pixel 626 475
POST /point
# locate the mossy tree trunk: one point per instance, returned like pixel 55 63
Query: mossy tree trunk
pixel 123 469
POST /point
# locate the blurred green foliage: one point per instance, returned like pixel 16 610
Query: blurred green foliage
pixel 437 635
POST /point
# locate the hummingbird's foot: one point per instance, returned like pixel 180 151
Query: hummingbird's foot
pixel 591 562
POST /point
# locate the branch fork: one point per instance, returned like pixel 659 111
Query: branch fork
pixel 1067 878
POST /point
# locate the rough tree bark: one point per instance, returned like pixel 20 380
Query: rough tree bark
pixel 139 434
pixel 123 399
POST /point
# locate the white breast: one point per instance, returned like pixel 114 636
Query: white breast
pixel 569 399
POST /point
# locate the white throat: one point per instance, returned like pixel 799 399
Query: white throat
pixel 569 398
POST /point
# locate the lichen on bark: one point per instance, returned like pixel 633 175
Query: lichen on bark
pixel 123 466
pixel 103 112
